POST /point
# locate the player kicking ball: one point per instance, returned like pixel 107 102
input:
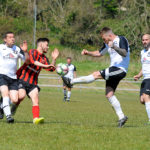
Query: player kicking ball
pixel 145 72
pixel 28 76
pixel 71 74
pixel 9 55
pixel 118 49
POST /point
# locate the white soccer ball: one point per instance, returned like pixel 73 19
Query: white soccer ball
pixel 62 69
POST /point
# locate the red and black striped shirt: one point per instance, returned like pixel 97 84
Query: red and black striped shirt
pixel 29 72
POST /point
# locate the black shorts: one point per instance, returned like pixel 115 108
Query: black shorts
pixel 26 86
pixel 11 83
pixel 113 75
pixel 145 87
pixel 66 85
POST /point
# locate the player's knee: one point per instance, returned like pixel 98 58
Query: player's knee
pixel 22 95
pixel 109 95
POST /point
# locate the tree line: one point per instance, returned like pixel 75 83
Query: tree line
pixel 77 22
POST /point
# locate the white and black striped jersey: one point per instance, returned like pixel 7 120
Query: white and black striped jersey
pixel 145 60
pixel 8 60
pixel 116 59
pixel 71 70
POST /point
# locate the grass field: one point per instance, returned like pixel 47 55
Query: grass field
pixel 86 123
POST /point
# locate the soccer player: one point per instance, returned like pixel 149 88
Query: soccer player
pixel 28 76
pixel 71 74
pixel 145 72
pixel 9 55
pixel 118 49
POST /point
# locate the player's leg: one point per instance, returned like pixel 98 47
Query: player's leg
pixel 65 92
pixel 6 103
pixel 34 95
pixel 84 80
pixel 1 108
pixel 68 94
pixel 21 96
pixel 113 76
pixel 116 105
pixel 146 98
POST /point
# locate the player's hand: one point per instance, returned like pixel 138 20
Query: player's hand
pixel 84 52
pixel 111 44
pixel 55 54
pixel 24 46
pixel 136 77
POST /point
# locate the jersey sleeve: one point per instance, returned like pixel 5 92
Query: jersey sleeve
pixel 123 43
pixel 75 69
pixel 22 55
pixel 32 55
pixel 104 49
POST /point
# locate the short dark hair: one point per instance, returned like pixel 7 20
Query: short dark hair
pixel 42 40
pixel 105 30
pixel 69 58
pixel 5 34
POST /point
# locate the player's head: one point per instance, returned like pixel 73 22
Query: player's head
pixel 69 60
pixel 9 38
pixel 42 43
pixel 107 34
pixel 146 40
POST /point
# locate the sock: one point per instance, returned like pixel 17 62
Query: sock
pixel 147 106
pixel 35 111
pixel 116 105
pixel 68 95
pixel 84 79
pixel 6 106
pixel 65 93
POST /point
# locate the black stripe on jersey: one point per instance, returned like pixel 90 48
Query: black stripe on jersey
pixel 75 68
pixel 47 60
pixel 22 52
pixel 30 74
pixel 25 73
pixel 35 75
pixel 123 43
pixel 104 46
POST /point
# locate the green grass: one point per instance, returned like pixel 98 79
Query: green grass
pixel 86 123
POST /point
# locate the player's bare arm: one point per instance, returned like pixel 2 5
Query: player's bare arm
pixel 37 63
pixel 138 76
pixel 120 51
pixel 91 53
pixel 54 56
pixel 24 47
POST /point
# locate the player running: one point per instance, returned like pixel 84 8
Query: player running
pixel 145 72
pixel 71 74
pixel 9 55
pixel 118 49
pixel 28 76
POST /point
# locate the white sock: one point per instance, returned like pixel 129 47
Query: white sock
pixel 116 105
pixel 68 95
pixel 6 106
pixel 84 79
pixel 147 106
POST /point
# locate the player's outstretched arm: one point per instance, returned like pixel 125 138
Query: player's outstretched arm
pixel 24 47
pixel 91 53
pixel 37 63
pixel 138 76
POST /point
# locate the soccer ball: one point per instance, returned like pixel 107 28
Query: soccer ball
pixel 62 69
